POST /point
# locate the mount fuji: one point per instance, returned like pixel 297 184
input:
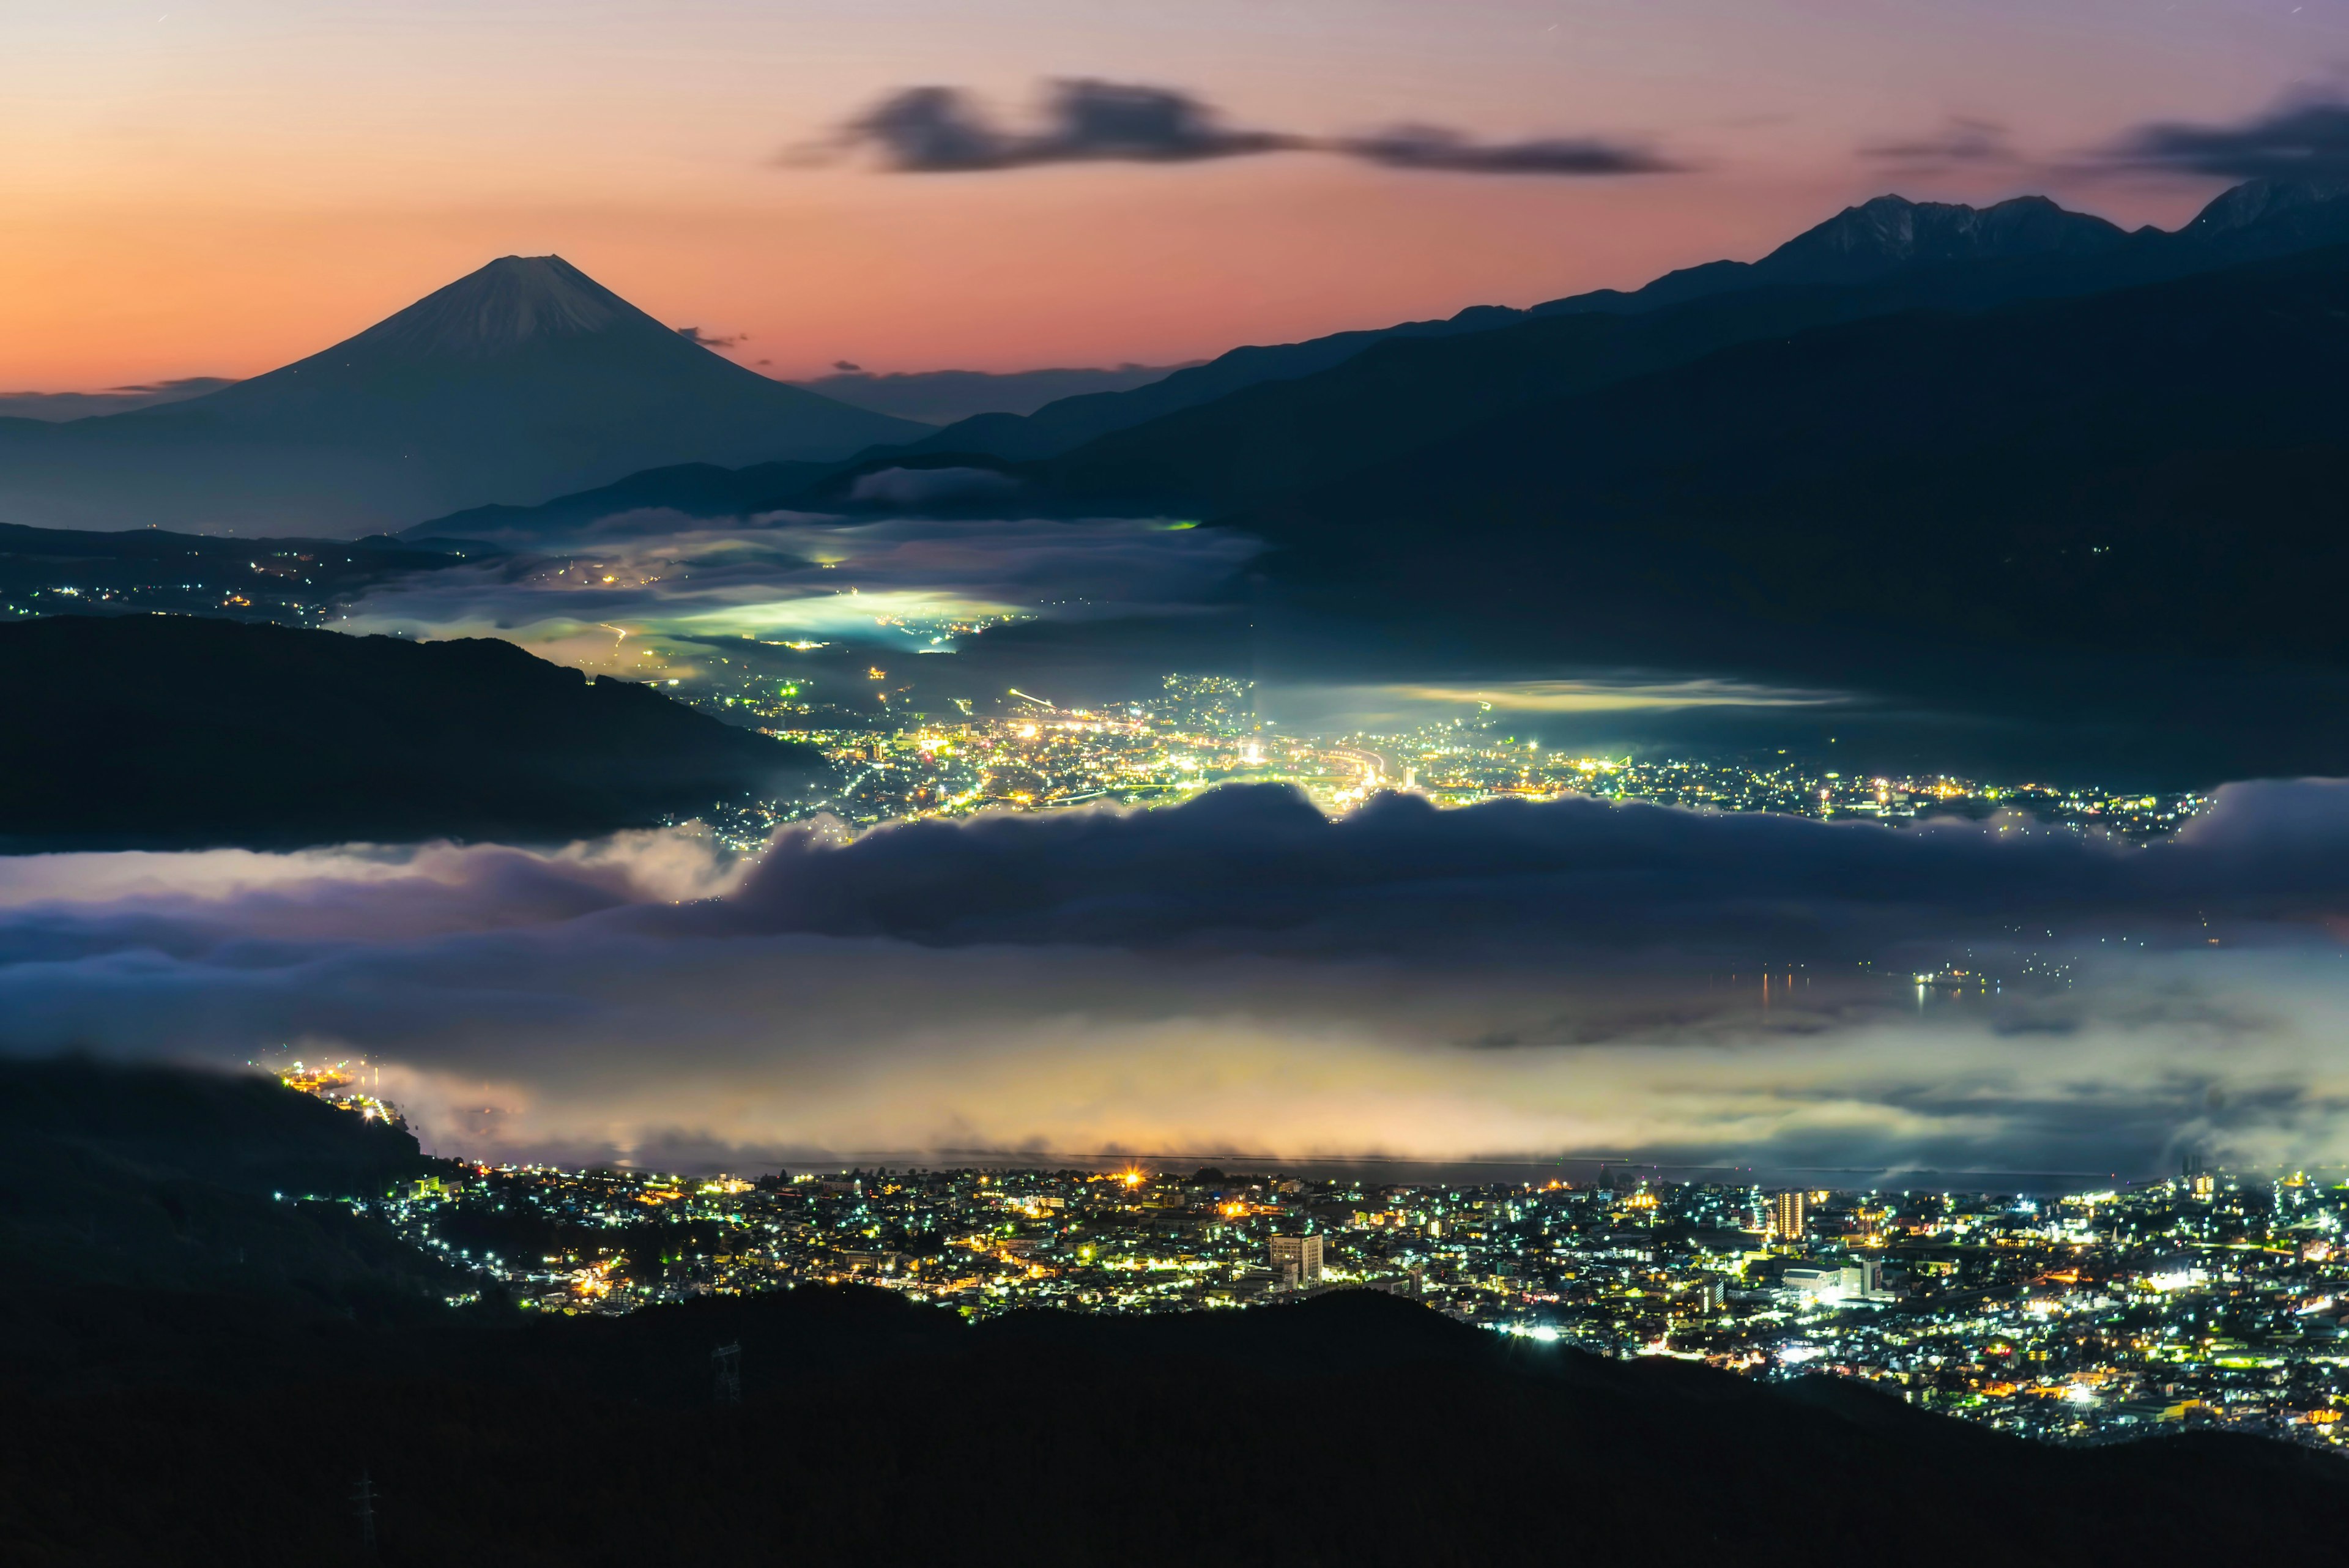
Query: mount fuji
pixel 519 381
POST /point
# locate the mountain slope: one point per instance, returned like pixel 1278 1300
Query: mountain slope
pixel 520 381
pixel 1372 1431
pixel 2157 470
pixel 940 397
pixel 160 1177
pixel 1878 239
pixel 1259 425
pixel 1257 443
pixel 1070 422
pixel 1280 438
pixel 1254 447
pixel 172 730
pixel 694 490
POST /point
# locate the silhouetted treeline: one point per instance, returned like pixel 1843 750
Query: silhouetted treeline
pixel 175 731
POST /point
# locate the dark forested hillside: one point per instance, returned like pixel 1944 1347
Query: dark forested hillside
pixel 1353 1430
pixel 166 1224
pixel 2156 469
pixel 175 730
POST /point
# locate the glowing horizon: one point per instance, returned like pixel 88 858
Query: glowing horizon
pixel 220 189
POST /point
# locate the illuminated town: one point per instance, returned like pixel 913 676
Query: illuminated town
pixel 2207 1298
pixel 1200 731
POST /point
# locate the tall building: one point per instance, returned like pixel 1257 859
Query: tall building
pixel 1851 1280
pixel 1297 1260
pixel 1786 1216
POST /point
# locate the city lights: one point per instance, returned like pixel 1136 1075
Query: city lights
pixel 2203 1300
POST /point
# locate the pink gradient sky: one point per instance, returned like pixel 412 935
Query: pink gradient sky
pixel 216 187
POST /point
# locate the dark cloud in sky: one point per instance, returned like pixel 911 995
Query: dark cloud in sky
pixel 1961 140
pixel 930 129
pixel 711 340
pixel 2301 139
pixel 1434 147
pixel 938 130
pixel 941 129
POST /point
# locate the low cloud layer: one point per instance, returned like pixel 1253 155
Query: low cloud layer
pixel 1577 884
pixel 56 406
pixel 632 579
pixel 943 129
pixel 1240 974
pixel 2303 138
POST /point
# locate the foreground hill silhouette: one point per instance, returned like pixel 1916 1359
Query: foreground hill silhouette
pixel 176 730
pixel 120 1180
pixel 226 1418
pixel 167 1225
pixel 520 381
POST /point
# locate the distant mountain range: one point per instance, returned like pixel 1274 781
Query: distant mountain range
pixel 1952 253
pixel 2014 426
pixel 2155 469
pixel 942 396
pixel 520 381
pixel 172 732
pixel 2175 395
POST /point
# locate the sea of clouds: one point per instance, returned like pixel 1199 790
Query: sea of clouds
pixel 1242 974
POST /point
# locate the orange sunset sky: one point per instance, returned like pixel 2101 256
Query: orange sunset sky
pixel 216 187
